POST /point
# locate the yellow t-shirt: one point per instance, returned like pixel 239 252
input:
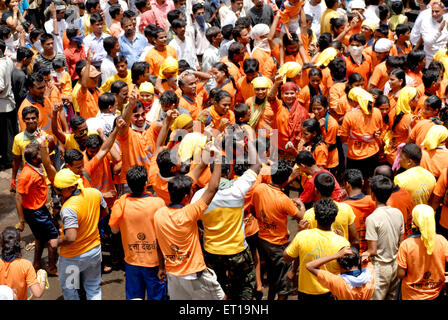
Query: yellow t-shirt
pixel 70 142
pixel 106 86
pixel 310 245
pixel 345 217
pixel 74 93
pixel 20 143
pixel 327 15
pixel 419 182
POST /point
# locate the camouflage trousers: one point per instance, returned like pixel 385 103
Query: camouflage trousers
pixel 235 273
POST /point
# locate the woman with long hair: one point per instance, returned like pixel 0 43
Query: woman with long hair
pixel 15 272
pixel 313 141
pixel 397 81
pixel 224 80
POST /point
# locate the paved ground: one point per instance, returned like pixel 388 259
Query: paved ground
pixel 113 284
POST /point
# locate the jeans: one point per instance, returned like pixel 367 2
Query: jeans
pixel 86 268
pixel 141 279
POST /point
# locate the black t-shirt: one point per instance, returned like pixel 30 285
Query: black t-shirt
pixel 265 15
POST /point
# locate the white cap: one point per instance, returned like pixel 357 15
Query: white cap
pixel 357 4
pixel 383 45
pixel 6 293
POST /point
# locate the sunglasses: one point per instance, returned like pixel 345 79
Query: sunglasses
pixel 81 134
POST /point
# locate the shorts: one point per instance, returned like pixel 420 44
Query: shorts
pixel 205 287
pixel 276 267
pixel 144 279
pixel 235 273
pixel 252 242
pixel 41 224
pixel 366 166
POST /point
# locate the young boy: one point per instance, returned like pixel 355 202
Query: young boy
pixel 353 283
pixel 123 74
pixel 62 81
pixel 133 216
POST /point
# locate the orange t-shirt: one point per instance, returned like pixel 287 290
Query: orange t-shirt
pixel 440 190
pixel 33 188
pixel 418 133
pixel 379 76
pixel 272 208
pixel 155 58
pixel 362 206
pixel 364 69
pixel 66 84
pixel 434 160
pixel 194 108
pixel 327 80
pixel 45 114
pixel 397 51
pixel 417 77
pixel 133 152
pixel 230 89
pixel 304 96
pixel 343 290
pixel 268 68
pixel 280 122
pixel 425 274
pixel 245 90
pixel 266 118
pixel 337 99
pixel 100 175
pixel 320 155
pixel 401 199
pixel 88 102
pixel 399 134
pixel 19 275
pixel 359 128
pixel 234 70
pixel 177 234
pixel 330 135
pixel 134 216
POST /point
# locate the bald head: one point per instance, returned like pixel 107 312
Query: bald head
pixel 384 171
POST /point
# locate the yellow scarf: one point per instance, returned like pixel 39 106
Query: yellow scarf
pixel 362 97
pixel 423 219
pixel 65 178
pixel 435 137
pixel 405 96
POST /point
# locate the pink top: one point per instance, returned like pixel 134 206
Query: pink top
pixel 157 15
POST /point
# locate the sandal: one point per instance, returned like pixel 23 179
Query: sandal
pixel 107 269
pixel 30 246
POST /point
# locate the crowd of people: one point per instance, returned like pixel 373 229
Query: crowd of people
pixel 173 135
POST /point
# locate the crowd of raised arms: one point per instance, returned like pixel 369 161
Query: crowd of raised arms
pixel 188 138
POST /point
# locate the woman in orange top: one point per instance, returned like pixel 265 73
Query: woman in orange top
pixel 397 81
pixel 219 115
pixel 415 63
pixel 421 258
pixel 297 113
pixel 382 103
pixel 261 113
pixel 313 88
pixel 15 272
pixel 435 154
pixel 224 80
pixel 329 127
pixel 361 129
pixel 313 140
pixel 399 121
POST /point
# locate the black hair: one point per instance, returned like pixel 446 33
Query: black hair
pixel 150 31
pixel 383 11
pixel 35 33
pixel 338 68
pixel 91 4
pixel 246 22
pixel 119 58
pixel 57 64
pixel 377 92
pixel 114 10
pixel 330 3
pixel 240 111
pixel 29 110
pixel 211 33
pixel 324 41
pixel 396 7
pixel 221 94
pixel 31 151
pixel 42 69
pixel 136 178
pixel 294 39
pixel 72 155
pixel 354 178
pixel 138 69
pixel 126 18
pixel 240 168
pixel 79 66
pixel 306 158
pixel 312 126
pixel 236 31
pixel 94 141
pixel 140 4
pixel 234 49
pixel 76 121
pixel 4 31
pixel 174 14
pixel 359 37
pixel 225 167
pixel 10 243
pixel 414 58
pixel 315 72
pixel 95 17
pixel 32 78
pixel 178 23
pixel 383 29
pixel 251 65
pixel 106 100
pixel 26 26
pixel 413 152
pixel 437 65
pixel 429 77
pixel 325 212
pixel 434 102
pixel 71 32
pixel 400 74
pixel 380 100
pixel 109 43
pixel 24 53
pixel 129 14
pixel 382 187
pixel 183 66
pixel 221 66
pixel 336 23
pixel 352 79
pixel 45 37
pixel 402 29
pixel 319 99
pixel 168 97
pixel 349 261
pixel 395 62
pixel 324 183
pixel 196 7
pixel 227 31
pixel 179 187
pixel 280 172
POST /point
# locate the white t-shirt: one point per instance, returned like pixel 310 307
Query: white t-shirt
pixel 62 26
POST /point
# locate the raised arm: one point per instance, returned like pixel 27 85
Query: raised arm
pixel 49 168
pixel 127 113
pixel 109 142
pixel 212 187
pixel 57 107
pixel 313 266
pixel 170 116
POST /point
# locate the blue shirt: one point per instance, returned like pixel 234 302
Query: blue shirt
pixel 23 5
pixel 97 46
pixel 132 51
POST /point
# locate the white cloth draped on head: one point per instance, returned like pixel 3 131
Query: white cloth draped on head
pixel 257 34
